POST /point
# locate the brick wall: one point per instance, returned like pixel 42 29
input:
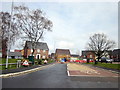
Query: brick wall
pixel 42 54
pixel 62 56
pixel 91 55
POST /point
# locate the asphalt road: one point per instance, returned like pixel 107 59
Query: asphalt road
pixel 56 77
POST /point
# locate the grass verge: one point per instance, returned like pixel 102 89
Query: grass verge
pixel 3 61
pixel 106 65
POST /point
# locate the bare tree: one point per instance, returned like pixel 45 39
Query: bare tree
pixel 33 23
pixel 100 44
pixel 7 34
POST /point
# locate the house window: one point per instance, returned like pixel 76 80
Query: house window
pixel 31 50
pixel 44 51
pixel 38 50
pixel 31 55
pixel 90 56
pixel 43 57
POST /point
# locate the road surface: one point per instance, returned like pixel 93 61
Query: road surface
pixel 56 76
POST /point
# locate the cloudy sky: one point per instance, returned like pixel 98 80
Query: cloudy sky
pixel 75 22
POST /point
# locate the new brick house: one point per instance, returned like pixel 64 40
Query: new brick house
pixel 74 57
pixel 116 55
pixel 62 53
pixel 41 50
pixel 88 54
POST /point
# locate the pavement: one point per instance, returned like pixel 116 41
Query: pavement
pixel 22 70
pixel 74 69
pixel 19 69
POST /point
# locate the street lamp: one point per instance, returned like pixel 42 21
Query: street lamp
pixel 8 42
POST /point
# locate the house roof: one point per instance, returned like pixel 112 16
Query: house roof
pixel 74 55
pixel 17 50
pixel 116 50
pixel 63 51
pixel 90 51
pixel 39 45
pixel 14 54
pixel 52 54
pixel 87 51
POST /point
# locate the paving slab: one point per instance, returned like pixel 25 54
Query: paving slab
pixel 83 70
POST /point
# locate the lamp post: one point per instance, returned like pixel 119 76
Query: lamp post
pixel 8 41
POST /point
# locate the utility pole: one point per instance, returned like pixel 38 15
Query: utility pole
pixel 8 42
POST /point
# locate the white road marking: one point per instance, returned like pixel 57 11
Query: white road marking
pixel 24 72
pixel 68 73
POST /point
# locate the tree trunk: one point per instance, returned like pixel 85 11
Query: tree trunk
pixel 33 55
pixel 96 62
pixel 88 60
pixel 4 48
pixel 33 51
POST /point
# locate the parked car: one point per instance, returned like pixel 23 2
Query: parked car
pixel 90 60
pixel 107 60
pixel 85 60
pixel 62 61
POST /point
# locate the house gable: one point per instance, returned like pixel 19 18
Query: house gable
pixel 39 45
pixel 63 51
pixel 41 50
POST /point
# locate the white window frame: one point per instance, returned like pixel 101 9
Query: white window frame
pixel 39 56
pixel 43 56
pixel 38 50
pixel 31 50
pixel 91 56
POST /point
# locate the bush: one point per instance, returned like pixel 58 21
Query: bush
pixel 39 61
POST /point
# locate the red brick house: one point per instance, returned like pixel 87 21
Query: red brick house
pixel 88 54
pixel 41 50
pixel 116 55
pixel 74 57
pixel 62 53
pixel 17 50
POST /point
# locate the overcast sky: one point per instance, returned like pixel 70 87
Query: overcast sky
pixel 75 22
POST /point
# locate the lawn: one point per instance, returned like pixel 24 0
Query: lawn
pixel 106 65
pixel 3 61
pixel 9 67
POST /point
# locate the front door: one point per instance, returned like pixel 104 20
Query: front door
pixel 38 57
